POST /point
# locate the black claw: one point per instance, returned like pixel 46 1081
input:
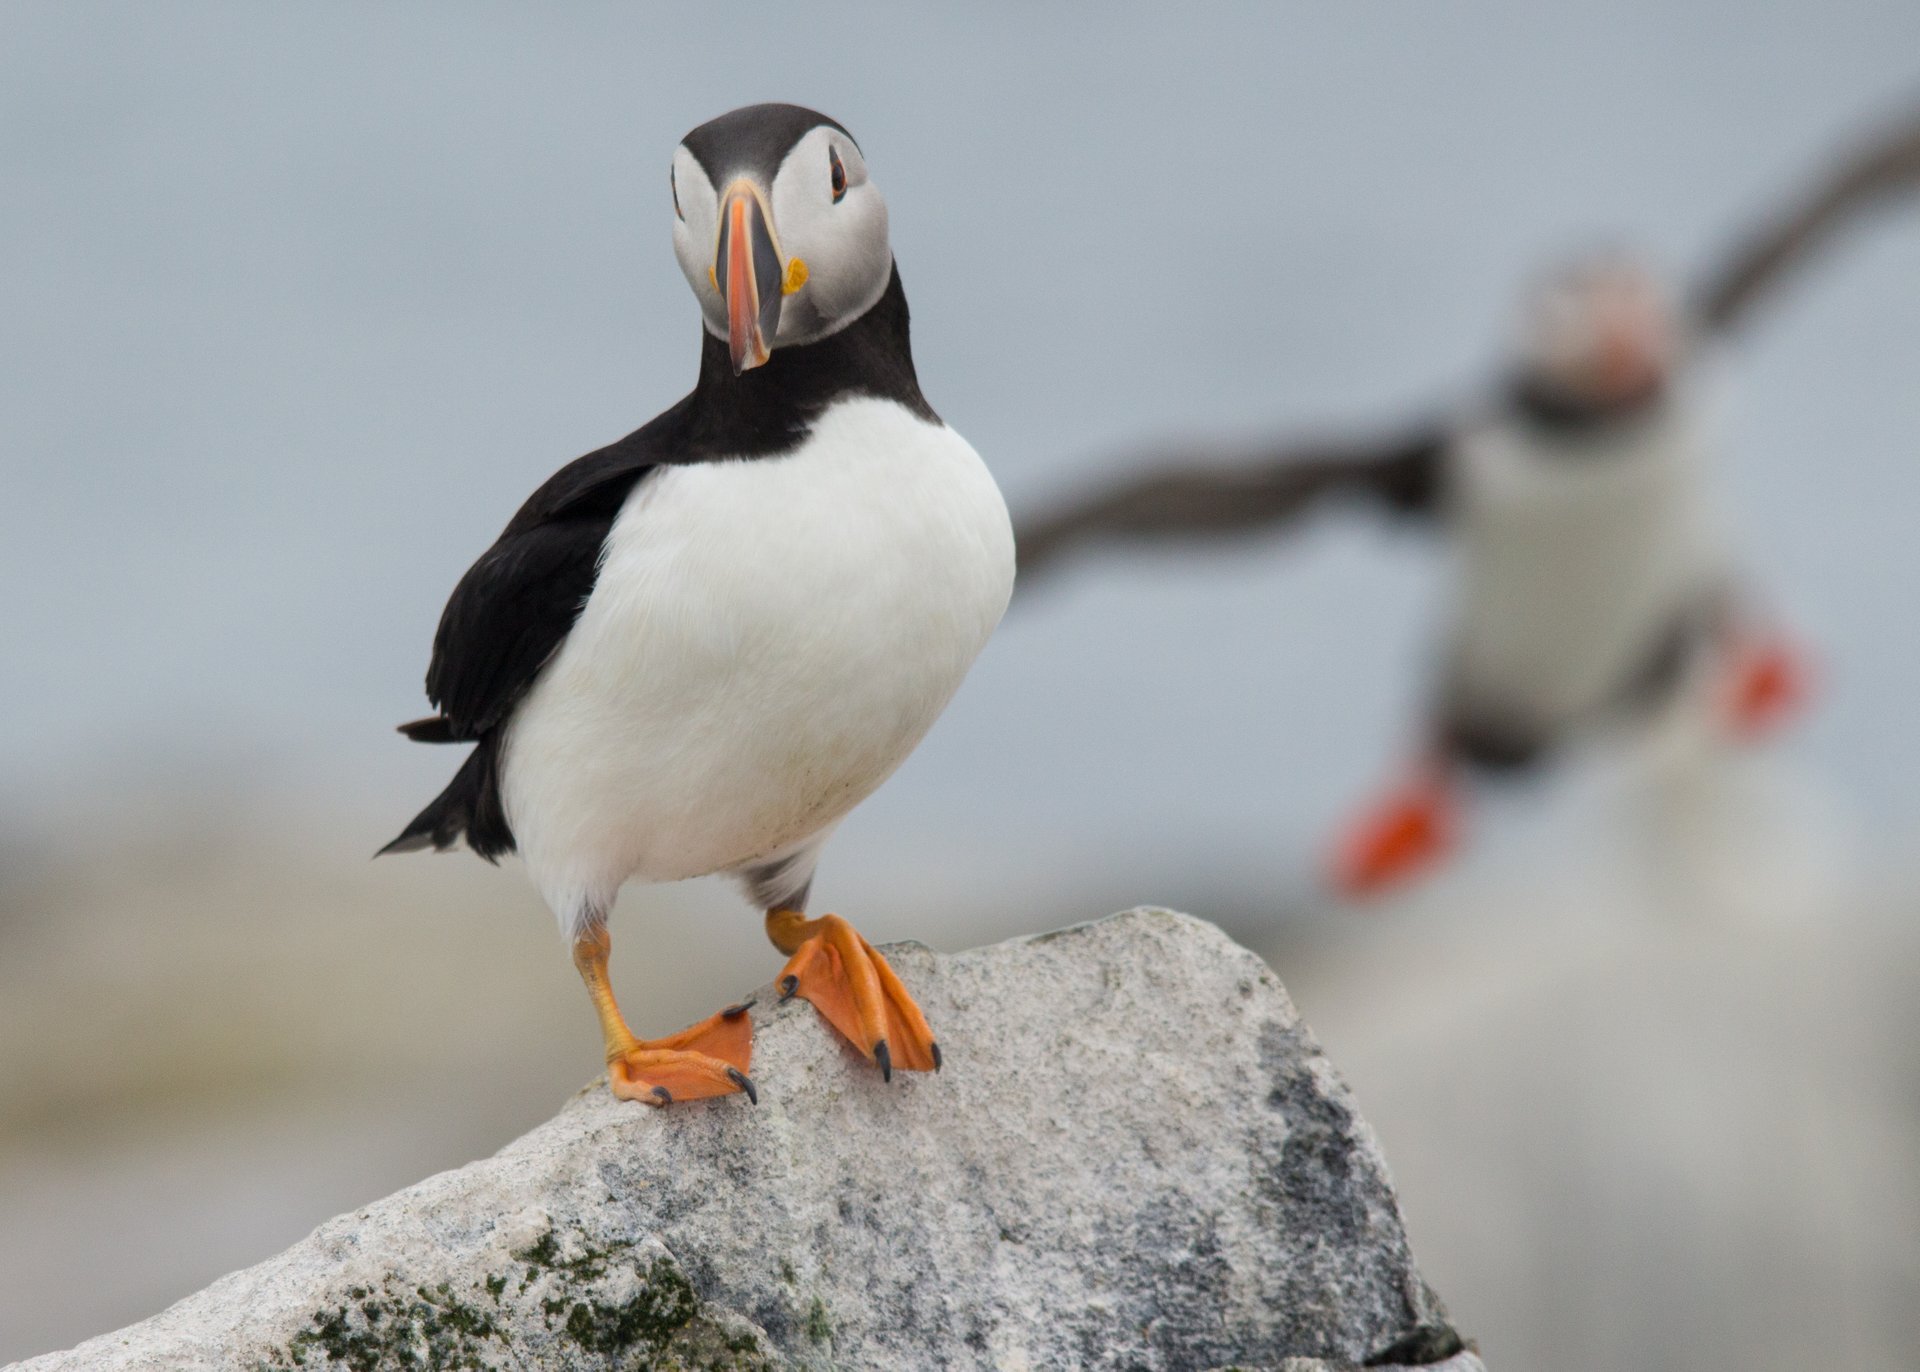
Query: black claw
pixel 745 1083
pixel 735 1011
pixel 664 1096
pixel 936 1055
pixel 788 985
pixel 884 1056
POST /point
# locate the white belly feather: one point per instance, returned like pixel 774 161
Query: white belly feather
pixel 1573 562
pixel 766 642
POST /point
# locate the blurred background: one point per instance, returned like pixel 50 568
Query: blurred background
pixel 296 305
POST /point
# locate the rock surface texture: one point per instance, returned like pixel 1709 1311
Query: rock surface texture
pixel 1137 1157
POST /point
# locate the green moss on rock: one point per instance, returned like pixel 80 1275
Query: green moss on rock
pixel 542 1258
pixel 664 1305
pixel 662 1325
pixel 431 1329
pixel 819 1326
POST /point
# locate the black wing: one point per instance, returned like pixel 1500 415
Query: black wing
pixel 515 606
pixel 1229 496
pixel 1880 170
pixel 507 617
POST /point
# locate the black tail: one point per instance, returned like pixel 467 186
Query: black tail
pixel 432 729
pixel 470 806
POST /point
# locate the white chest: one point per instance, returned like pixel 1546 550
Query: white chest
pixel 766 641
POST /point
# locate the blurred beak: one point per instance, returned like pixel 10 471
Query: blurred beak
pixel 1624 363
pixel 1632 354
pixel 747 271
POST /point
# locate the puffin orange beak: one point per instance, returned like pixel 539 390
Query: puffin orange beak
pixel 747 272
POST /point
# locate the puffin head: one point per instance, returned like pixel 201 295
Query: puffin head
pixel 782 236
pixel 1599 333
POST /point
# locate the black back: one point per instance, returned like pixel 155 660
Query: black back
pixel 1545 407
pixel 515 606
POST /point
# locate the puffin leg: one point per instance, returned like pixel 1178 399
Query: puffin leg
pixel 1768 681
pixel 852 986
pixel 709 1059
pixel 1402 836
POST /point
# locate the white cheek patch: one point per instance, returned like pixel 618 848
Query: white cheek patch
pixel 856 165
pixel 843 243
pixel 694 232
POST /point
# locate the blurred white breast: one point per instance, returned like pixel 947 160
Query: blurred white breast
pixel 1576 552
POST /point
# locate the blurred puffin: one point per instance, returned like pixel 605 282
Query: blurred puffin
pixel 1593 581
pixel 696 649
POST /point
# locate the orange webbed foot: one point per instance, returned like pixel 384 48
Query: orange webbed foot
pixel 710 1058
pixel 1404 836
pixel 852 986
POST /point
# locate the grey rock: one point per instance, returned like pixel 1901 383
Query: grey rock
pixel 1136 1157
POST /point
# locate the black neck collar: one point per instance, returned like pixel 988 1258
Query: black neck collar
pixel 1545 406
pixel 770 408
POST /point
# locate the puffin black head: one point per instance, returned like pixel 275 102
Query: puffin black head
pixel 782 236
pixel 1599 334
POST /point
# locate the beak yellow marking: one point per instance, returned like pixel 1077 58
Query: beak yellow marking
pixel 714 277
pixel 795 278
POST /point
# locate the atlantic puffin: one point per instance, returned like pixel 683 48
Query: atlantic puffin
pixel 694 650
pixel 1594 582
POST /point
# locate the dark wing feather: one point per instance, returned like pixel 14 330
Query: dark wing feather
pixel 1882 169
pixel 1223 497
pixel 509 613
pixel 515 606
pixel 507 617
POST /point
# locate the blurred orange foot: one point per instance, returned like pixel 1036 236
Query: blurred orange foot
pixel 709 1059
pixel 1769 682
pixel 1407 834
pixel 852 986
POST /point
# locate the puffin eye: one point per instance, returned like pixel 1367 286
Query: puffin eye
pixel 673 185
pixel 839 175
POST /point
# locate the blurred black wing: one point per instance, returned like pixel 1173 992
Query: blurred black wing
pixel 1225 496
pixel 1880 170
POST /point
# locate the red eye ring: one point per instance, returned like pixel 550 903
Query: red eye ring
pixel 839 173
